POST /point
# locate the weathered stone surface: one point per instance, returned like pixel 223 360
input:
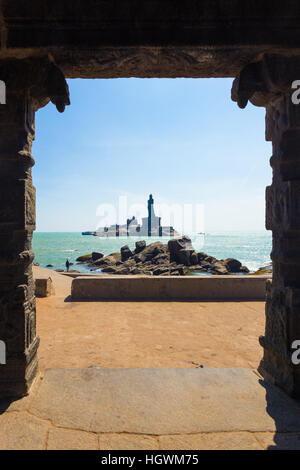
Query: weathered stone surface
pixel 279 441
pixel 219 268
pixel 116 269
pixel 233 265
pixel 64 439
pixel 164 401
pixel 194 258
pixel 161 270
pixel 210 441
pixel 150 252
pixel 127 442
pixel 20 431
pixel 181 245
pixel 109 260
pixel 201 257
pixel 44 287
pixel 139 246
pixel 126 253
pixel 97 255
pixel 85 258
pixel 144 43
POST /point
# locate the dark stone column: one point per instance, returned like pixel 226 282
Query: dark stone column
pixel 27 88
pixel 269 83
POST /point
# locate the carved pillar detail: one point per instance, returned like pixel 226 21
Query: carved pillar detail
pixel 30 84
pixel 269 83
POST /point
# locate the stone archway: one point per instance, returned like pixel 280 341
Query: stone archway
pixel 31 84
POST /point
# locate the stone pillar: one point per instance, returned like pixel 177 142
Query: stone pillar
pixel 30 84
pixel 269 83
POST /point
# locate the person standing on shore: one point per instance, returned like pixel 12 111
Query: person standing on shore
pixel 67 265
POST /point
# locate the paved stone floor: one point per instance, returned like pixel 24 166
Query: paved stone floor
pixel 112 409
pixel 146 334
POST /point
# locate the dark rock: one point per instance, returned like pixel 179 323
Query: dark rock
pixel 219 268
pixel 176 272
pixel 184 257
pixel 195 267
pixel 233 265
pixel 115 269
pixel 182 270
pixel 109 269
pixel 49 266
pixel 161 258
pixel 129 263
pixel 109 260
pixel 139 246
pixel 160 270
pixel 180 250
pixel 126 253
pixel 96 255
pixel 205 265
pixel 244 269
pixel 177 244
pixel 264 270
pixel 201 256
pixel 193 258
pixel 84 258
pixel 210 259
pixel 136 270
pixel 150 251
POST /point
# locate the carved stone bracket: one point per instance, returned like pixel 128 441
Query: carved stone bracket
pixel 265 81
pixel 40 78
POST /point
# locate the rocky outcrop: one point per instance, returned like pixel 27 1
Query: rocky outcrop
pixel 176 258
pixel 264 270
pixel 109 260
pixel 233 265
pixel 139 246
pixel 96 255
pixel 84 258
pixel 126 253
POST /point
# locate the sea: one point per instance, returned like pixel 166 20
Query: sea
pixel 252 249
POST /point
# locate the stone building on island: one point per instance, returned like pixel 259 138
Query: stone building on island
pixel 150 227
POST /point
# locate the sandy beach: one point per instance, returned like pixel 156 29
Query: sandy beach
pixel 145 334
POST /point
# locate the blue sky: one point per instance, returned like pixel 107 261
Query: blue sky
pixel 183 140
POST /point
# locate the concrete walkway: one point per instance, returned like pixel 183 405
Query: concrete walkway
pixel 151 409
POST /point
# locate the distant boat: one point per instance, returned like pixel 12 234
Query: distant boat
pixel 89 233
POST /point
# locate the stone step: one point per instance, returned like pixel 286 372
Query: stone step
pixel 163 401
